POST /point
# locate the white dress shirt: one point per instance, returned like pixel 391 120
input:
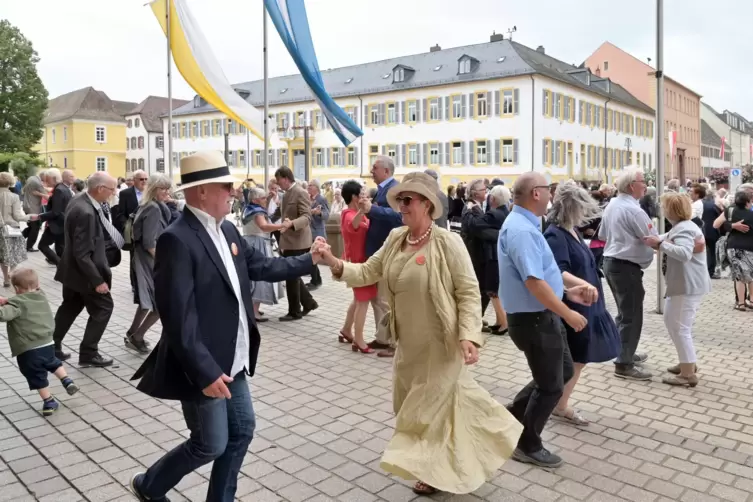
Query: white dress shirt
pixel 213 227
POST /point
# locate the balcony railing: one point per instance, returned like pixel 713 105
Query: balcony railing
pixel 295 132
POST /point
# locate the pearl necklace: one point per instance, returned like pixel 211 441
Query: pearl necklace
pixel 420 239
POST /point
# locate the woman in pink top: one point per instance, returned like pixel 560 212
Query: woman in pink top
pixel 354 225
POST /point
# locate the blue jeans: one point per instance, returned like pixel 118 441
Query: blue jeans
pixel 221 430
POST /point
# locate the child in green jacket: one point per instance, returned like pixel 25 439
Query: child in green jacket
pixel 30 326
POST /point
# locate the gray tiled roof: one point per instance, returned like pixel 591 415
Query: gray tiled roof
pixel 152 108
pixel 431 69
pixel 709 137
pixel 86 103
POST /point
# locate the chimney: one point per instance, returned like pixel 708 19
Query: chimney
pixel 436 48
pixel 496 37
pixel 541 49
pixel 598 72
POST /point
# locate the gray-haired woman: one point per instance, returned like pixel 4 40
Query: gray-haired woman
pixel 572 208
pixel 151 219
pixel 257 231
pixel 12 242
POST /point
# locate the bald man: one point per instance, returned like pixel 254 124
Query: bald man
pixel 531 289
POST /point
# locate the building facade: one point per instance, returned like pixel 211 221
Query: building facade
pixel 84 131
pixel 711 150
pixel 682 106
pixel 496 109
pixel 145 141
pixel 735 129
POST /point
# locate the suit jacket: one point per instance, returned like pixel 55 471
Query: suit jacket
pixel 318 220
pixel 56 208
pixel 382 219
pixel 442 220
pixel 296 206
pixel 128 204
pixel 710 213
pixel 199 309
pixel 84 264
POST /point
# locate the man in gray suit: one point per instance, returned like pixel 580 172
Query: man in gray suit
pixel 319 217
pixel 441 221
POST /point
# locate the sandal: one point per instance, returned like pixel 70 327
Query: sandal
pixel 421 488
pixel 343 338
pixel 741 307
pixel 571 416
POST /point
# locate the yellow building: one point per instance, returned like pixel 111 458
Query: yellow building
pixel 85 131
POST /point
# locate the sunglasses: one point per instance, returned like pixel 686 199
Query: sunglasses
pixel 140 179
pixel 404 200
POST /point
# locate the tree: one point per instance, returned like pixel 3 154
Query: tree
pixel 23 98
pixel 22 164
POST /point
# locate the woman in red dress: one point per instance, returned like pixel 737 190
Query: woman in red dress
pixel 354 225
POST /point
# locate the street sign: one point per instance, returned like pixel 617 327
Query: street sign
pixel 735 179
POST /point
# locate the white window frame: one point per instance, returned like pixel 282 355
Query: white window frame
pixel 257 157
pixel 373 154
pixel 434 154
pixel 465 66
pixel 434 109
pixel 482 151
pixel 457 107
pixel 399 75
pixel 335 156
pixel 412 111
pixel 100 129
pixel 284 158
pixel 159 142
pixel 481 99
pixel 97 164
pixel 374 115
pixel 54 136
pixel 506 155
pixel 351 156
pixel 242 158
pixel 160 165
pixel 319 155
pixel 392 113
pixel 457 153
pixel 413 155
pixel 507 102
pixel 392 152
pixel 137 123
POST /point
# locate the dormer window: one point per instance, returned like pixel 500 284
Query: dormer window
pixel 198 101
pixel 467 64
pixel 401 73
pixel 243 93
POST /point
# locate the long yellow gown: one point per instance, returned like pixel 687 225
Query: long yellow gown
pixel 450 433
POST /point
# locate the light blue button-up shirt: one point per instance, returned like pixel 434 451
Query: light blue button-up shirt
pixel 523 253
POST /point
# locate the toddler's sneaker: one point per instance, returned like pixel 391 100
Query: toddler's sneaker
pixel 70 387
pixel 50 406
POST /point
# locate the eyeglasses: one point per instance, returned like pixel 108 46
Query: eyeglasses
pixel 140 179
pixel 404 200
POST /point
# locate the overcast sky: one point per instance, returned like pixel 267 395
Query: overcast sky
pixel 117 46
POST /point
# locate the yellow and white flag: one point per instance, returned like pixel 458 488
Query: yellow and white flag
pixel 200 68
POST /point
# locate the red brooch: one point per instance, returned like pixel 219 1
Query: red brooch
pixel 421 260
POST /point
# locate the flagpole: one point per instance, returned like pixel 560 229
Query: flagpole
pixel 169 95
pixel 248 154
pixel 266 100
pixel 660 143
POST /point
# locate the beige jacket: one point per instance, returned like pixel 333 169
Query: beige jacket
pixel 296 206
pixel 452 285
pixel 10 209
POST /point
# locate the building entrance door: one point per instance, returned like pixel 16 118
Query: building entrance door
pixel 681 166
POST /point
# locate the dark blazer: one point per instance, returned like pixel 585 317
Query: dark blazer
pixel 710 213
pixel 442 220
pixel 128 204
pixel 481 231
pixel 199 310
pixel 56 206
pixel 83 265
pixel 382 219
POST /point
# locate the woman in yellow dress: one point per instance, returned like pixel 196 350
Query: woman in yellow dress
pixel 450 435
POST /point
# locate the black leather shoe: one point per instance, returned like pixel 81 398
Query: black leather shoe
pixel 97 361
pixel 136 489
pixel 291 317
pixel 309 310
pixel 312 287
pixel 63 356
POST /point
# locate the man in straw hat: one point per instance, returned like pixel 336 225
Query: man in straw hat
pixel 210 342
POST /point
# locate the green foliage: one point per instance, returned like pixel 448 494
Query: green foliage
pixel 649 176
pixel 23 97
pixel 22 164
pixel 747 174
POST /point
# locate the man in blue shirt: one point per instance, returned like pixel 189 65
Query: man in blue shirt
pixel 531 289
pixel 382 219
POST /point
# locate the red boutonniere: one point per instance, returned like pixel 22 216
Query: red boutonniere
pixel 421 260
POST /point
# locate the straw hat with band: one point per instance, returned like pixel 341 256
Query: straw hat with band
pixel 419 183
pixel 204 167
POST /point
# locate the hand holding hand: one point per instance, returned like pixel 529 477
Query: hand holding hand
pixel 316 210
pixel 365 205
pixel 584 295
pixel 218 389
pixel 652 241
pixel 741 227
pixel 470 352
pixel 286 224
pixel 575 320
pixel 34 217
pixel 102 289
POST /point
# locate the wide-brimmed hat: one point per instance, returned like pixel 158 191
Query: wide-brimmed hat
pixel 419 183
pixel 204 167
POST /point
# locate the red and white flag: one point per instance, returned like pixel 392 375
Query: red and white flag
pixel 724 140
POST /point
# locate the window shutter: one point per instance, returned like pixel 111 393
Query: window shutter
pixel 543 102
pixel 367 115
pixel 423 107
pixel 471 152
pixel 384 149
pixel 556 156
pixel 402 111
pixel 463 106
pixel 382 108
pixel 489 108
pixel 355 115
pixel 543 152
pixel 402 156
pixel 497 146
pixel 515 152
pixel 358 159
pixel 496 103
pixel 471 106
pixel 274 157
pixel 446 108
pixel 426 154
pixel 580 112
pixel 515 100
pixel 447 159
pixel 439 153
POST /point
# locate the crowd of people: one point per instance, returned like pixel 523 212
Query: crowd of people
pixel 428 262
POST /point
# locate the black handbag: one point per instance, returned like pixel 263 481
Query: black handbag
pixel 112 253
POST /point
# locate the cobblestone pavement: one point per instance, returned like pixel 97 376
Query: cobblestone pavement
pixel 325 414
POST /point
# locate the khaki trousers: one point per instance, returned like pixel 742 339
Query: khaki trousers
pixel 381 308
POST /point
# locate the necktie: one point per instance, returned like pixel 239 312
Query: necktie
pixel 114 234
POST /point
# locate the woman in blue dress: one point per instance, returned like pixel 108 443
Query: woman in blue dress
pixel 572 208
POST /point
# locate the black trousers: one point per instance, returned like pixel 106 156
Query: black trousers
pixel 298 295
pixel 542 338
pixel 31 232
pixel 485 299
pixel 316 276
pixel 711 256
pixel 48 239
pixel 98 306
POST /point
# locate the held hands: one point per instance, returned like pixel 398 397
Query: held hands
pixel 102 289
pixel 585 295
pixel 652 241
pixel 218 389
pixel 321 252
pixel 33 217
pixel 316 211
pixel 286 225
pixel 470 352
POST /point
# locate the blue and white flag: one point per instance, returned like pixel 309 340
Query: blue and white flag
pixel 289 17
